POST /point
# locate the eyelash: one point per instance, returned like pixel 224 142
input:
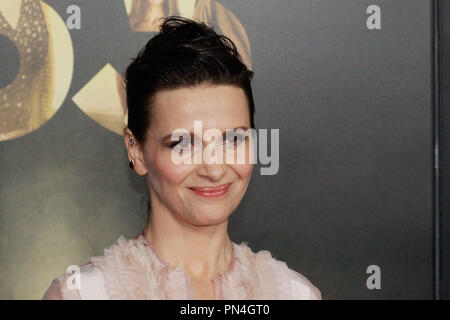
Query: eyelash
pixel 236 140
pixel 174 144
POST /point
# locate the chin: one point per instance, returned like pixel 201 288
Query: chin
pixel 212 217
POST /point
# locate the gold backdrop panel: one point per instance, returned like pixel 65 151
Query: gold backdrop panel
pixel 102 99
pixel 46 66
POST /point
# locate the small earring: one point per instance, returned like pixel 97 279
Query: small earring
pixel 131 140
pixel 132 164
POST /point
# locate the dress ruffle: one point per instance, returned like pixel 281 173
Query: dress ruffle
pixel 132 270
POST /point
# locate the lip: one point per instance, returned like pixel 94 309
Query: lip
pixel 212 192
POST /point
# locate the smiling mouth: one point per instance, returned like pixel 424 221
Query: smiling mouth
pixel 209 192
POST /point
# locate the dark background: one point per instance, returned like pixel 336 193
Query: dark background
pixel 355 187
pixel 444 143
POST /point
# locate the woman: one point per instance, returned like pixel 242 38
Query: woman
pixel 186 73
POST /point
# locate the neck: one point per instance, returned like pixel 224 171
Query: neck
pixel 203 251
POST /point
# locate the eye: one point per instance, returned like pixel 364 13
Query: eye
pixel 183 144
pixel 235 139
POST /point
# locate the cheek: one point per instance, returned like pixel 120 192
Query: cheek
pixel 244 171
pixel 244 154
pixel 167 172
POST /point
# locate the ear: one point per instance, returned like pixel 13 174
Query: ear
pixel 135 152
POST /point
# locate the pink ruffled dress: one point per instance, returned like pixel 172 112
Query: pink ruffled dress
pixel 131 269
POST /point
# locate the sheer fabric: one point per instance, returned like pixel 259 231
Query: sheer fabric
pixel 131 269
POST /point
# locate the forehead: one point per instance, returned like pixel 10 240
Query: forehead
pixel 221 107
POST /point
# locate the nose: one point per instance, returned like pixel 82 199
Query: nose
pixel 213 172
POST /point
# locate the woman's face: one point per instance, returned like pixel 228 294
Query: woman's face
pixel 178 187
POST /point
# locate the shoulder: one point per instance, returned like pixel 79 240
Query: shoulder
pixel 303 288
pixel 276 273
pixel 83 282
pixel 56 288
pixel 94 279
pixel 300 287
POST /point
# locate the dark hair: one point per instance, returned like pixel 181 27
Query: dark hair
pixel 184 53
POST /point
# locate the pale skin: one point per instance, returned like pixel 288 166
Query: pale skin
pixel 186 229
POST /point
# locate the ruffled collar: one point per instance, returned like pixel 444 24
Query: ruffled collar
pixel 230 273
pixel 133 270
pixel 162 264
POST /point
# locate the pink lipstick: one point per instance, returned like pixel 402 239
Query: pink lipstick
pixel 210 192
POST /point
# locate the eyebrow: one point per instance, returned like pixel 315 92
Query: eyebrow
pixel 168 136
